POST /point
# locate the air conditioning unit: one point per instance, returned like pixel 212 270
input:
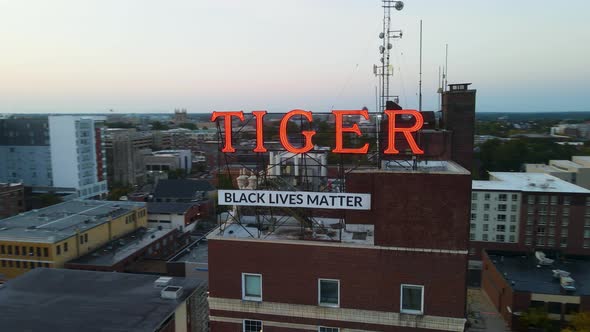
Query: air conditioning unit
pixel 162 282
pixel 171 292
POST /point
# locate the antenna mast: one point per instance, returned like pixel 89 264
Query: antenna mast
pixel 384 71
pixel 420 84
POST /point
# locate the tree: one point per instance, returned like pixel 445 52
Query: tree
pixel 157 125
pixel 579 323
pixel 188 125
pixel 536 317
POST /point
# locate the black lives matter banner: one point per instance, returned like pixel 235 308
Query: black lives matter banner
pixel 301 199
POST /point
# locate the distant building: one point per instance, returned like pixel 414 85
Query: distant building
pixel 576 171
pixel 52 236
pixel 187 191
pixel 525 212
pixel 12 199
pixel 62 154
pixel 168 160
pixel 71 301
pixel 180 116
pixel 126 150
pixel 514 283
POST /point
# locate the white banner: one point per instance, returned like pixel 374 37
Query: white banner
pixel 302 199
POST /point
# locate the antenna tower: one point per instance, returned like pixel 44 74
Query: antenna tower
pixel 384 71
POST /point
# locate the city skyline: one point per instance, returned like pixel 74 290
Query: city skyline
pixel 148 56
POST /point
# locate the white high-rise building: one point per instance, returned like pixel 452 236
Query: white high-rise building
pixel 62 154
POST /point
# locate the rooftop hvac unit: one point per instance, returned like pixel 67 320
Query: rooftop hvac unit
pixel 542 259
pixel 162 282
pixel 171 292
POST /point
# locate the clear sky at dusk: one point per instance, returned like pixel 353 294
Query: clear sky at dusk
pixel 205 55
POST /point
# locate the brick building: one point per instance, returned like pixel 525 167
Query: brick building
pixel 12 197
pixel 515 282
pixel 525 212
pixel 400 266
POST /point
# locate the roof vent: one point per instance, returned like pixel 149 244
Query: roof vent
pixel 171 292
pixel 162 282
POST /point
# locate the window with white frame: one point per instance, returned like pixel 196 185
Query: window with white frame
pixel 486 217
pixel 485 227
pixel 514 197
pixel 329 292
pixel 500 238
pixel 473 226
pixel 528 241
pixel 513 208
pixel 473 216
pixel 566 200
pixel 512 218
pixel 486 197
pixel 501 217
pixel 473 206
pixel 486 207
pixel 553 200
pixel 500 228
pixel 502 207
pixel 474 196
pixel 471 237
pixel 412 299
pixel 328 329
pixel 484 237
pixel 502 197
pixel 251 287
pixel 512 238
pixel 512 228
pixel 531 199
pixel 252 325
pixel 543 199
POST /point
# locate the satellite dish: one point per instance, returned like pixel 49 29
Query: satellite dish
pixel 399 5
pixel 381 35
pixel 381 49
pixel 389 46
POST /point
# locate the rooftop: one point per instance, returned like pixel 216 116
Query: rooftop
pixel 422 166
pixel 57 222
pixel 73 300
pixel 184 189
pixel 167 208
pixel 526 275
pixel 528 182
pixel 565 164
pixel 120 249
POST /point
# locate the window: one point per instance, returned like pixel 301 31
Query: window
pixel 58 248
pixel 531 199
pixel 542 199
pixel 500 228
pixel 65 247
pixel 553 200
pixel 252 325
pixel 473 206
pixel 540 230
pixel 512 228
pixel 514 197
pixel 251 287
pixel 474 197
pixel 502 207
pixel 500 238
pixel 550 242
pixel 512 238
pixel 486 217
pixel 566 200
pixel 471 237
pixel 586 244
pixel 502 197
pixel 473 216
pixel 563 242
pixel 16 250
pixel 484 237
pixel 502 217
pixel 512 218
pixel 542 220
pixel 329 292
pixel 81 240
pixel 543 210
pixel 528 241
pixel 328 329
pixel 587 233
pixel 486 197
pixel 2 249
pixel 485 227
pixel 86 237
pixel 540 241
pixel 10 250
pixel 564 232
pixel 551 231
pixel 513 208
pixel 412 299
pixel 45 252
pixel 38 252
pixel 529 220
pixel 486 207
pixel 531 210
pixel 565 211
pixel 473 226
pixel 565 221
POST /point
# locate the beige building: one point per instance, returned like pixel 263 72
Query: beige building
pixel 52 236
pixel 576 171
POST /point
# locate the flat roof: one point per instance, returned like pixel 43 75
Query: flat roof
pixel 169 208
pixel 421 166
pixel 527 182
pixel 289 228
pixel 74 300
pixel 58 222
pixel 565 163
pixel 544 168
pixel 120 249
pixel 524 274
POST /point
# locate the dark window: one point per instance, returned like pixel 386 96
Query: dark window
pixel 25 265
pixel 18 264
pixel 65 247
pixel 2 249
pixel 328 329
pixel 10 250
pixel 9 263
pixel 252 326
pixel 537 304
pixel 38 252
pixel 45 252
pixel 571 308
pixel 81 239
pixel 3 263
pixel 24 251
pixel 16 251
pixel 329 292
pixel 58 250
pixel 86 237
pixel 412 297
pixel 554 308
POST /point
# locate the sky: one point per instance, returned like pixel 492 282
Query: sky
pixel 212 55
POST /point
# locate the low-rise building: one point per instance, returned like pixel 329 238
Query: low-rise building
pixel 180 216
pixel 576 171
pixel 12 199
pixel 516 282
pixel 72 300
pixel 54 235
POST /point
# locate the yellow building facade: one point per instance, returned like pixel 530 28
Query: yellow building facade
pixel 52 236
